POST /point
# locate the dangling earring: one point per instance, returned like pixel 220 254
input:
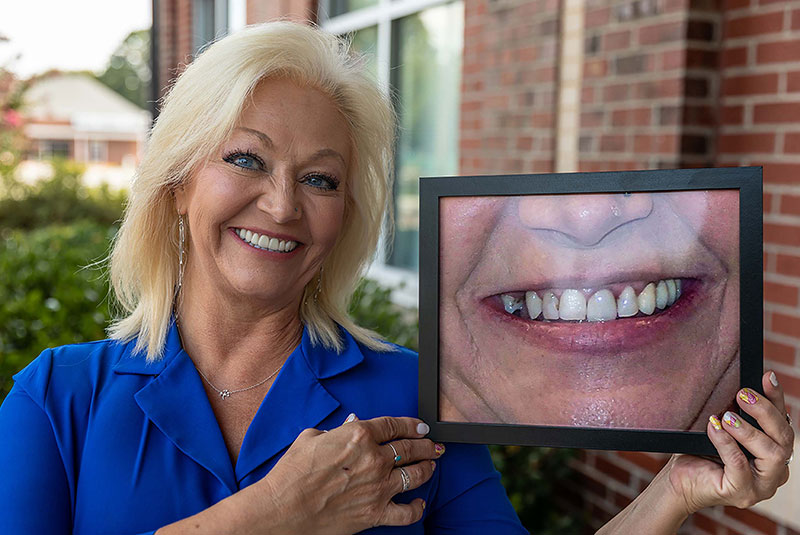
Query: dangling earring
pixel 181 254
pixel 319 285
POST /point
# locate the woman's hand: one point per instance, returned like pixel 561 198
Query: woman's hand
pixel 337 482
pixel 740 482
pixel 687 483
pixel 343 481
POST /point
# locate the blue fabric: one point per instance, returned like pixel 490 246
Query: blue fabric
pixel 96 441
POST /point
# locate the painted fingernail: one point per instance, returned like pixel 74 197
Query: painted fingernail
pixel 350 418
pixel 732 420
pixel 423 429
pixel 715 422
pixel 433 465
pixel 748 396
pixel 439 449
pixel 423 505
pixel 773 378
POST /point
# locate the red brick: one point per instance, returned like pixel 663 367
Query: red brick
pixel 597 17
pixel 595 68
pixel 734 57
pixel 612 143
pixel 661 33
pixel 796 19
pixel 754 520
pixel 767 202
pixel 612 470
pixel 777 51
pixel 642 144
pixel 780 293
pixel 616 92
pixel 754 25
pixel 703 522
pixel 779 352
pixel 790 204
pixel 783 112
pixel 747 143
pixel 752 84
pixel 788 264
pixel 587 95
pixel 666 144
pixel 617 40
pixel 782 235
pixel 782 173
pixel 732 114
pixel 649 461
pixel 791 143
pixel 793 81
pixel 673 59
pixel 702 58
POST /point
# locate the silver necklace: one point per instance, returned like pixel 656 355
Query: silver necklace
pixel 225 393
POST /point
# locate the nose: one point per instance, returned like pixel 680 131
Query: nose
pixel 280 200
pixel 585 219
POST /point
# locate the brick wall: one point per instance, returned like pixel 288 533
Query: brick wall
pixel 509 76
pixel 175 39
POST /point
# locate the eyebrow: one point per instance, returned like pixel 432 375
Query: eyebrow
pixel 265 139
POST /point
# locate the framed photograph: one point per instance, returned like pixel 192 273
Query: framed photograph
pixel 590 310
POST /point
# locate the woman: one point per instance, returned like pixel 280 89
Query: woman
pixel 219 405
pixel 591 310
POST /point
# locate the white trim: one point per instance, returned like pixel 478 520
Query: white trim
pixel 370 16
pixel 237 15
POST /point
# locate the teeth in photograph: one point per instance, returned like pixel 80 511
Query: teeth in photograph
pixel 647 299
pixel 572 305
pixel 510 303
pixel 601 306
pixel 534 304
pixel 550 306
pixel 263 242
pixel 661 295
pixel 248 234
pixel 678 288
pixel 672 291
pixel 627 303
pixel 254 238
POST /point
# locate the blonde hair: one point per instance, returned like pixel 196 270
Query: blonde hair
pixel 199 114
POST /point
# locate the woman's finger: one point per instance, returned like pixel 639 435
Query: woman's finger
pixel 777 437
pixel 774 391
pixel 413 450
pixel 737 467
pixel 402 514
pixel 388 428
pixel 405 478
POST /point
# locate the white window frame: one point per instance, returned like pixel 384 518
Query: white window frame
pixel 383 14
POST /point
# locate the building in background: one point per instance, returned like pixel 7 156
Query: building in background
pixel 528 86
pixel 75 117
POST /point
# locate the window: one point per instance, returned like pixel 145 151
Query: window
pixel 210 20
pixel 98 151
pixel 414 46
pixel 51 148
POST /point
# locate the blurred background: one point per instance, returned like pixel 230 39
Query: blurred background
pixel 481 87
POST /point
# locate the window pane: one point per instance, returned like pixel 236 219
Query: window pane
pixel 365 41
pixel 339 7
pixel 427 76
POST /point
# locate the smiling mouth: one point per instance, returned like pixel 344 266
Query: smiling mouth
pixel 265 242
pixel 620 301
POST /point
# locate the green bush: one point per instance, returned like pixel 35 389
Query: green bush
pixel 48 296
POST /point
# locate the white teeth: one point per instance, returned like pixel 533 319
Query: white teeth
pixel 662 295
pixel 265 242
pixel 627 305
pixel 672 290
pixel 550 306
pixel 572 305
pixel 534 304
pixel 601 306
pixel 647 299
pixel 511 304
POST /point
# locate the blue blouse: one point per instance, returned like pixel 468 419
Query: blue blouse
pixel 94 440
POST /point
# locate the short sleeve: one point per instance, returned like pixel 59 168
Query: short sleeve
pixel 34 493
pixel 470 498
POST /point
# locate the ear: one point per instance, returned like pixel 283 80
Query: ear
pixel 181 199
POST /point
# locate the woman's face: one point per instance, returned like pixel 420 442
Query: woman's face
pixel 266 209
pixel 589 310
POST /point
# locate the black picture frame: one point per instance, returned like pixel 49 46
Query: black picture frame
pixel 748 182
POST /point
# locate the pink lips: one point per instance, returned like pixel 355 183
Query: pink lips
pixel 608 338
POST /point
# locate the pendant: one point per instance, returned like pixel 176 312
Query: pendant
pixel 224 394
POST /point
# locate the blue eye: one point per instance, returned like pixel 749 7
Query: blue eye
pixel 322 181
pixel 245 160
